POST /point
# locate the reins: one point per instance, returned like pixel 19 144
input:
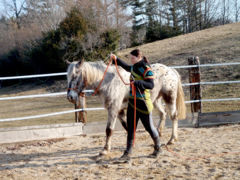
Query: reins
pixel 104 74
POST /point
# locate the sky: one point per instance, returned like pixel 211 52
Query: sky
pixel 2 8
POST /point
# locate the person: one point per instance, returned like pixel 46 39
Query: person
pixel 142 77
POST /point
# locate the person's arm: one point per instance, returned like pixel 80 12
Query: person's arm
pixel 147 82
pixel 122 64
pixel 144 84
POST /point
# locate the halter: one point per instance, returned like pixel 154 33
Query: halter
pixel 76 89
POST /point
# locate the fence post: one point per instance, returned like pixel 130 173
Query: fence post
pixel 195 90
pixel 81 116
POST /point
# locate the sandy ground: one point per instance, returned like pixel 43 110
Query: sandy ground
pixel 75 158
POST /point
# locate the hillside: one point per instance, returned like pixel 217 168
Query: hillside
pixel 218 44
pixel 214 45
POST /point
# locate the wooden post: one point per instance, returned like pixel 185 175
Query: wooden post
pixel 81 116
pixel 195 90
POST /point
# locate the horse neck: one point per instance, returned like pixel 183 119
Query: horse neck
pixel 93 73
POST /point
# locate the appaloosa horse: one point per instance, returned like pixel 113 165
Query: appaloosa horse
pixel 114 94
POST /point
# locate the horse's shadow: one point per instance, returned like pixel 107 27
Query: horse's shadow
pixel 89 156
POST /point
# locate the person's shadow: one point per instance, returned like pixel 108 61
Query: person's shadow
pixel 80 157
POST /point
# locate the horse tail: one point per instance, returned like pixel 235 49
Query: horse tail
pixel 181 107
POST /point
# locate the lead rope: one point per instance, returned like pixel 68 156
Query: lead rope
pixel 135 105
pixel 134 93
pixel 104 74
pixel 127 84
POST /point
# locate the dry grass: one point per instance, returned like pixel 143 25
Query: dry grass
pixel 190 43
pixel 215 45
pixel 37 106
pixel 219 44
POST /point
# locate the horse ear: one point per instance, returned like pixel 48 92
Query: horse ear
pixel 67 62
pixel 79 64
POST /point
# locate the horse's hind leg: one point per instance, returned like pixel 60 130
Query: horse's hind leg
pixel 112 116
pixel 161 124
pixel 173 115
pixel 122 118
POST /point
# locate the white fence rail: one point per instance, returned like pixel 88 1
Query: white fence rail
pixel 211 83
pixel 91 91
pixel 33 76
pixel 206 65
pixel 64 73
pixel 100 108
pixel 50 114
pixel 40 95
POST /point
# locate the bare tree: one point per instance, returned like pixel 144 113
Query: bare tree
pixel 47 13
pixel 106 14
pixel 225 11
pixel 121 21
pixel 236 9
pixel 14 9
pixel 210 8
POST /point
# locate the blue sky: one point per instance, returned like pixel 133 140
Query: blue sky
pixel 2 6
pixel 19 2
pixel 1 10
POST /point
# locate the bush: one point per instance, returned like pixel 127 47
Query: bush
pixel 47 55
pixel 74 25
pixel 69 41
pixel 158 32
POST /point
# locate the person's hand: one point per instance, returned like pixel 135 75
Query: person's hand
pixel 113 56
pixel 138 84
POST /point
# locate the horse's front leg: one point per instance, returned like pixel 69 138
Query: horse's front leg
pixel 112 116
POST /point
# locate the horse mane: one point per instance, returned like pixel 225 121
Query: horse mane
pixel 92 71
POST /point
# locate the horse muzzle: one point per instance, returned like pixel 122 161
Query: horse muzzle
pixel 71 98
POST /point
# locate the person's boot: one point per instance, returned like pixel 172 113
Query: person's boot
pixel 157 148
pixel 126 155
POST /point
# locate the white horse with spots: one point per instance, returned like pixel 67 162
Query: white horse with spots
pixel 114 94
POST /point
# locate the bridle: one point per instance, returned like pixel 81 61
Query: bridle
pixel 82 94
pixel 76 90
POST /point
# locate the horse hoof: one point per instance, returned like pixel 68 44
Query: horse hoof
pixel 171 141
pixel 103 153
pixel 160 133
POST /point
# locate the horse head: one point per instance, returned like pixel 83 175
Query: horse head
pixel 76 80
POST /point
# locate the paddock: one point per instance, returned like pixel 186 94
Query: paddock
pixel 202 153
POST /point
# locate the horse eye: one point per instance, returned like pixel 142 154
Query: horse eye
pixel 74 77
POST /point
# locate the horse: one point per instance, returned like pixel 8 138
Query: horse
pixel 114 94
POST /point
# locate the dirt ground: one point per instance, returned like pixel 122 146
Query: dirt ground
pixel 204 153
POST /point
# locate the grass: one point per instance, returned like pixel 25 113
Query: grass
pixel 37 106
pixel 216 45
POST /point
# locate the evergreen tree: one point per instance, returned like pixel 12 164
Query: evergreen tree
pixel 138 24
pixel 152 28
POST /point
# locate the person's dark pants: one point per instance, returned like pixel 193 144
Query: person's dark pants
pixel 147 122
